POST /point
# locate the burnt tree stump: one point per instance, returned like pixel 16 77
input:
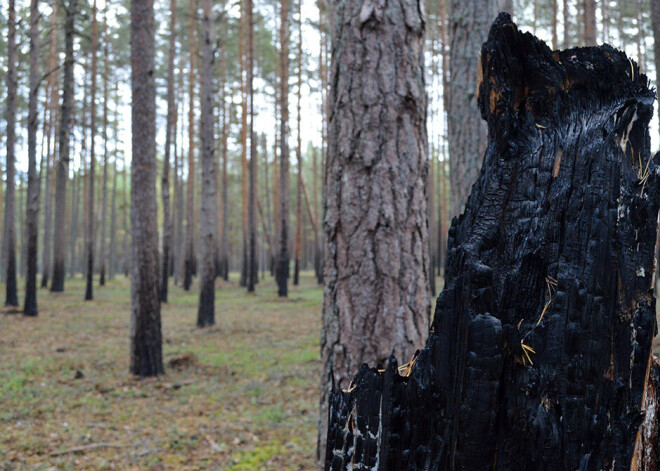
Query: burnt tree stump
pixel 539 355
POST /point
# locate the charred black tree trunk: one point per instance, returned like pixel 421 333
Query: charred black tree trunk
pixel 540 350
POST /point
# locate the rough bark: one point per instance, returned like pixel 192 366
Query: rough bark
pixel 376 299
pixel 589 9
pixel 89 290
pixel 468 26
pixel 190 189
pixel 655 24
pixel 146 339
pixel 32 209
pixel 206 311
pixel 539 353
pixel 11 298
pixel 170 132
pixel 59 236
pixel 282 270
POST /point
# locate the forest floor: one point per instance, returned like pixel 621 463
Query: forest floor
pixel 241 395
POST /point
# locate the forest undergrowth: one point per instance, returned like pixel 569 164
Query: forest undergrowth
pixel 242 395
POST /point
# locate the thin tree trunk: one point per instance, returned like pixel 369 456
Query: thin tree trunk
pixel 11 298
pixel 376 298
pixel 282 272
pixel 206 310
pixel 468 27
pixel 555 13
pixel 242 34
pixel 48 175
pixel 104 196
pixel 180 236
pixel 269 214
pixel 146 338
pixel 165 182
pixel 226 124
pixel 299 213
pixel 57 284
pixel 89 294
pixel 252 274
pixel 112 264
pixel 589 22
pixel 190 196
pixel 127 223
pixel 32 209
pixel 567 26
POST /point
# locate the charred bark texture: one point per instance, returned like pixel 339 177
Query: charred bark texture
pixel 539 352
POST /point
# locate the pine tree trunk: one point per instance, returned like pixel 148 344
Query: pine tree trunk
pixel 252 269
pixel 567 26
pixel 180 236
pixel 540 350
pixel 299 212
pixel 32 209
pixel 89 294
pixel 170 131
pixel 555 13
pixel 48 174
pixel 589 22
pixel 206 311
pixel 104 196
pixel 282 271
pixel 190 191
pixel 376 299
pixel 112 264
pixel 226 124
pixel 59 254
pixel 11 298
pixel 146 339
pixel 242 35
pixel 127 226
pixel 468 27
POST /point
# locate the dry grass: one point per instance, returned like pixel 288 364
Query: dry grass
pixel 240 395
